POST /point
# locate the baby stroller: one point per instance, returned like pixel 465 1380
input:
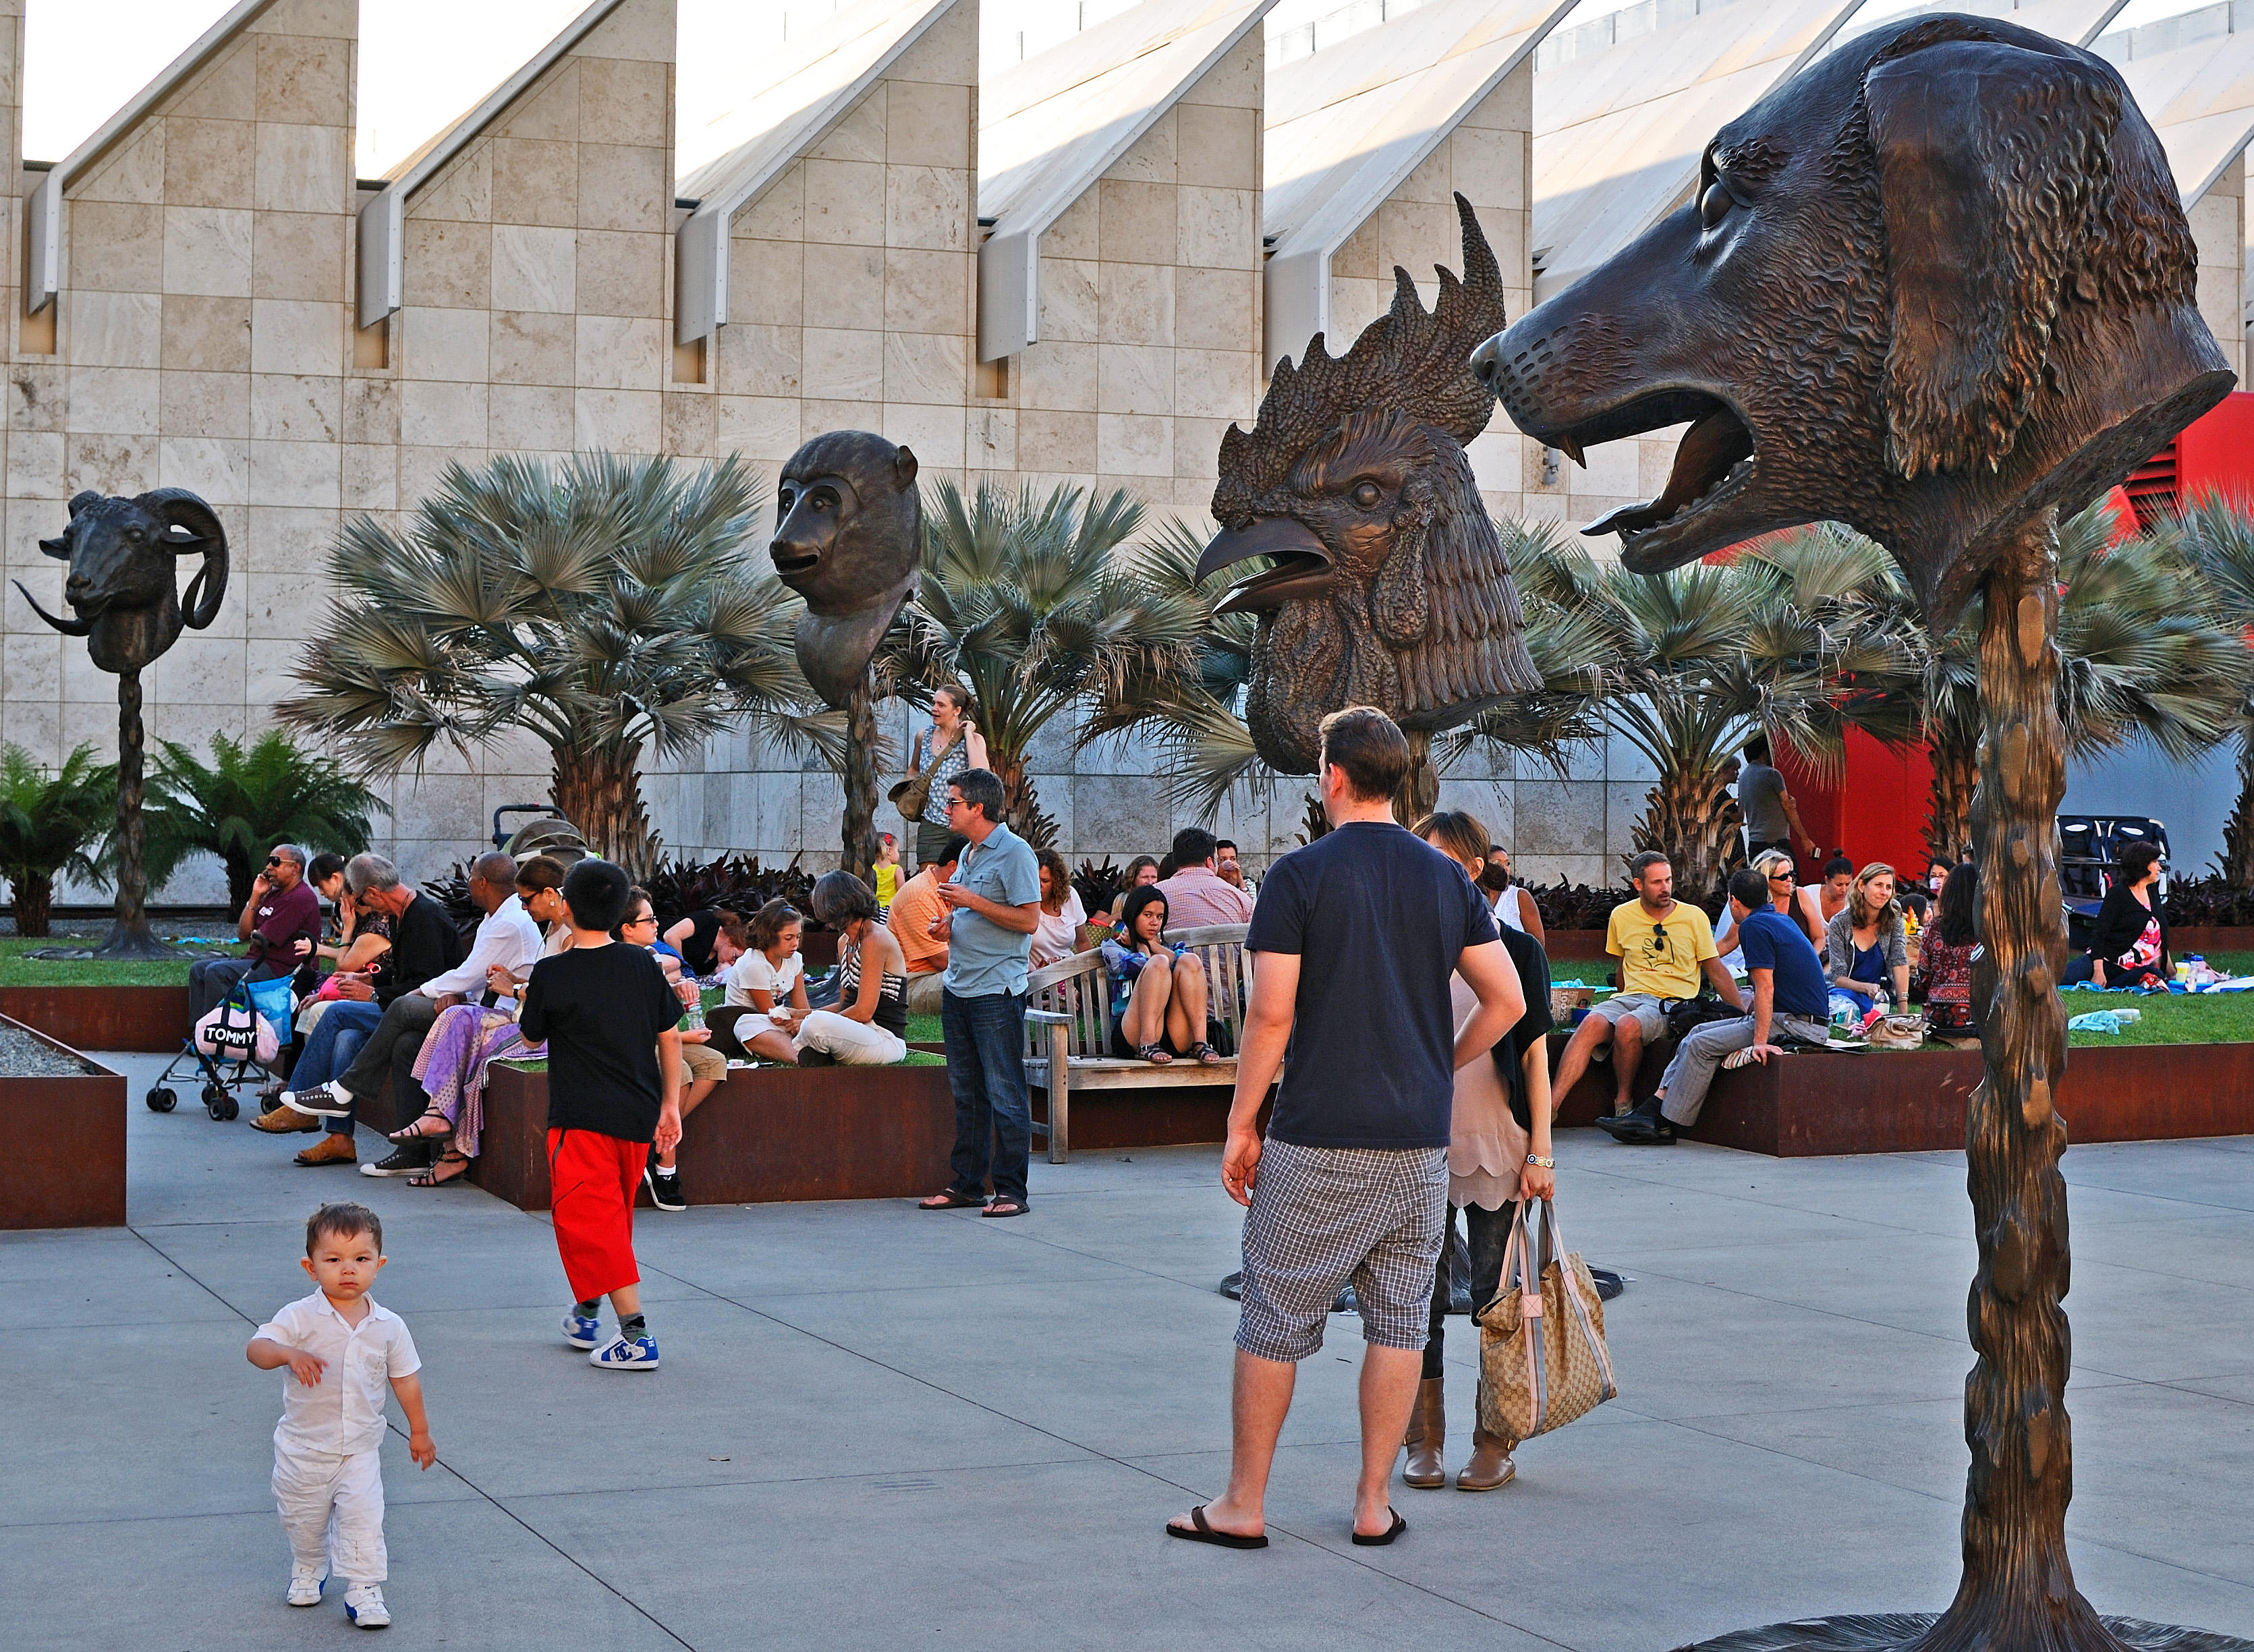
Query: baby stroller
pixel 238 1043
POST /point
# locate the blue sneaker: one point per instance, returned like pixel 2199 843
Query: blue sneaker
pixel 582 1333
pixel 626 1354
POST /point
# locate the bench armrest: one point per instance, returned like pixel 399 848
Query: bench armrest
pixel 1048 1018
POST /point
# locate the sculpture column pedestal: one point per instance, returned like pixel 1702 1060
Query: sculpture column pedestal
pixel 2018 1592
pixel 128 936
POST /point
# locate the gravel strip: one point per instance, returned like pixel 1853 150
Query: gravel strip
pixel 24 1056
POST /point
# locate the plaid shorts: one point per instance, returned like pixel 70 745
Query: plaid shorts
pixel 1324 1217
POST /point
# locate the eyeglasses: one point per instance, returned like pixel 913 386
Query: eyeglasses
pixel 631 923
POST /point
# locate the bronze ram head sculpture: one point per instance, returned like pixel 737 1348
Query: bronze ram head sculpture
pixel 1939 287
pixel 1389 586
pixel 122 587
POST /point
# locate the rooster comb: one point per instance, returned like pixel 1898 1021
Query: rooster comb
pixel 1415 361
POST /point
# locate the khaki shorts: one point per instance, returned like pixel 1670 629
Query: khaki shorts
pixel 1640 1007
pixel 702 1061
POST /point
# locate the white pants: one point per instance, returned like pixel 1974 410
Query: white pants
pixel 851 1043
pixel 332 1512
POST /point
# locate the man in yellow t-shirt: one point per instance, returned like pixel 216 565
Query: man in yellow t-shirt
pixel 1664 947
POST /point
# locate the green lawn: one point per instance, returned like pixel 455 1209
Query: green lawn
pixel 17 970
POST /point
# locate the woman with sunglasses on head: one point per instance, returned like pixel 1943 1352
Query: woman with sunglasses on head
pixel 1864 951
pixel 2129 942
pixel 1775 867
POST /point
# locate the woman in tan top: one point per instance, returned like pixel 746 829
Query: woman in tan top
pixel 1499 1152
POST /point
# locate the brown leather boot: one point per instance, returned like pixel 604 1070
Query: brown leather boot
pixel 1490 1465
pixel 1428 1432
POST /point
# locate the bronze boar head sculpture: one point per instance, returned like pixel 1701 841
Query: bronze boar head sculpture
pixel 850 541
pixel 123 587
pixel 1389 587
pixel 1931 287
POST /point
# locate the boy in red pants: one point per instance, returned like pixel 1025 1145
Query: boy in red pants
pixel 613 1084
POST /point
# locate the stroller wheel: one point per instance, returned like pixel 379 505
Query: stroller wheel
pixel 161 1100
pixel 218 1102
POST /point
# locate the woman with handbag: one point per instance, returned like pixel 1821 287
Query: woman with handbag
pixel 1498 1153
pixel 950 746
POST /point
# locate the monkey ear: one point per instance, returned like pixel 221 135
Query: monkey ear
pixel 904 470
pixel 1982 149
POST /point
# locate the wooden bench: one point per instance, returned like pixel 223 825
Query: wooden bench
pixel 1069 1029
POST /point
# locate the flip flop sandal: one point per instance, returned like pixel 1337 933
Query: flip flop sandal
pixel 415 1132
pixel 948 1200
pixel 430 1178
pixel 1386 1536
pixel 1222 1539
pixel 1005 1207
pixel 1154 1054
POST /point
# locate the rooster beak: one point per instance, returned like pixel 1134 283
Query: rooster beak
pixel 1303 563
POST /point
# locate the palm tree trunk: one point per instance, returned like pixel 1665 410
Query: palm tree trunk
pixel 35 897
pixel 1021 806
pixel 1686 818
pixel 862 754
pixel 1948 813
pixel 1420 790
pixel 2238 830
pixel 597 788
pixel 2018 1588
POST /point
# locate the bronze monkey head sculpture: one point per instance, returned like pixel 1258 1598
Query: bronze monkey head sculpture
pixel 1934 285
pixel 1390 586
pixel 123 588
pixel 849 541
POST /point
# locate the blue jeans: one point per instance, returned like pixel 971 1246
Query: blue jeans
pixel 986 1069
pixel 336 1039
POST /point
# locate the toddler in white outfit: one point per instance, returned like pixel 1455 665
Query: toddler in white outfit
pixel 341 1348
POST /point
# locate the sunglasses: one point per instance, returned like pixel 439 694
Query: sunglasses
pixel 1779 877
pixel 274 860
pixel 1659 937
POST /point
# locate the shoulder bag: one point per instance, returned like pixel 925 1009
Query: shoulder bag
pixel 1543 1361
pixel 911 795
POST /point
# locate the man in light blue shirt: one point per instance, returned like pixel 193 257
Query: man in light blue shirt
pixel 993 906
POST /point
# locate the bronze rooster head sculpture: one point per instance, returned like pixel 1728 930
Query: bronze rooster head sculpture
pixel 1389 586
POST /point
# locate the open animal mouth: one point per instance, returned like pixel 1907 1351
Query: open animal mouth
pixel 1299 564
pixel 1713 462
pixel 789 561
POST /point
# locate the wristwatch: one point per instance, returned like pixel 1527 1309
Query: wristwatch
pixel 1546 1163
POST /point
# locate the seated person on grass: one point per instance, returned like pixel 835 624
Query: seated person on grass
pixel 869 1024
pixel 1664 947
pixel 915 908
pixel 702 1067
pixel 2129 942
pixel 767 989
pixel 1790 1001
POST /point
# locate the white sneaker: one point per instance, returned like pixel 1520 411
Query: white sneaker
pixel 364 1606
pixel 624 1354
pixel 305 1586
pixel 583 1333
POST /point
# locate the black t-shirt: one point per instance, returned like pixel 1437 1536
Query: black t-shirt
pixel 1533 967
pixel 423 942
pixel 1378 919
pixel 600 1010
pixel 696 951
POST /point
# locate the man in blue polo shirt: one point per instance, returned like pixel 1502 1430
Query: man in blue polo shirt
pixel 1790 1000
pixel 991 906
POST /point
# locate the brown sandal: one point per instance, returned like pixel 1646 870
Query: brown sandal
pixel 430 1178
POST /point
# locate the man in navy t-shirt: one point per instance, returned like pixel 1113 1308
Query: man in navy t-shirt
pixel 1790 998
pixel 1353 942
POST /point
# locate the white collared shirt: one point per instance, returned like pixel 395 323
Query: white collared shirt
pixel 506 936
pixel 342 1413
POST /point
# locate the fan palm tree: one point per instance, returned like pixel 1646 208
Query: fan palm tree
pixel 2218 536
pixel 1035 603
pixel 245 802
pixel 47 823
pixel 608 607
pixel 1797 638
pixel 2145 652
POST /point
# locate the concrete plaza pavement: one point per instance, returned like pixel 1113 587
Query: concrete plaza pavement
pixel 876 1427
